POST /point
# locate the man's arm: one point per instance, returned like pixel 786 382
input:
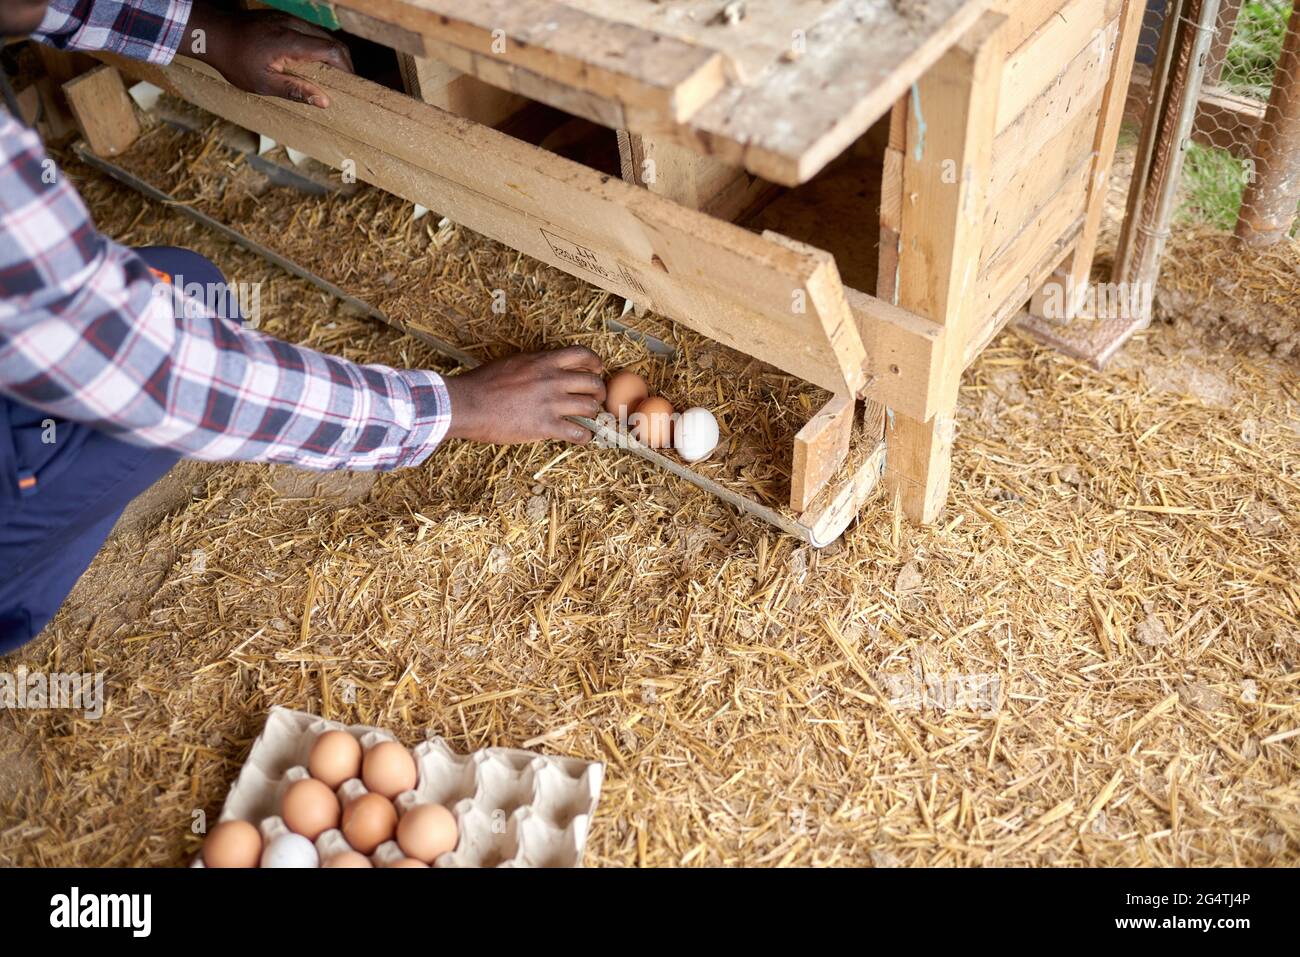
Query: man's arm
pixel 149 30
pixel 86 336
pixel 251 49
pixel 87 333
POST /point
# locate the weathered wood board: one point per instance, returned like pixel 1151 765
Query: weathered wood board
pixel 779 88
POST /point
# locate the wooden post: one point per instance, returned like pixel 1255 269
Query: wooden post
pixel 448 89
pixel 687 177
pixel 104 112
pixel 1268 208
pixel 947 165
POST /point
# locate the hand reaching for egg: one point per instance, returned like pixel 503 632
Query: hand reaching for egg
pixel 525 398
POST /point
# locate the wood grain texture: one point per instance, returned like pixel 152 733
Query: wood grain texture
pixel 820 448
pixel 947 167
pixel 447 88
pixel 1127 27
pixel 801 113
pixel 104 112
pixel 781 91
pixel 563 42
pixel 688 178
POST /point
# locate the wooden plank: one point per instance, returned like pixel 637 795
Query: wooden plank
pixel 649 72
pixel 891 202
pixel 103 110
pixel 826 297
pixel 947 167
pixel 57 125
pixel 838 505
pixel 768 297
pixel 891 215
pixel 447 88
pixel 391 35
pixel 613 60
pixel 803 112
pixel 1073 92
pixel 1013 225
pixel 687 178
pixel 1009 265
pixel 904 355
pixel 62 65
pixel 1037 64
pixel 751 38
pixel 820 448
pixel 28 101
pixel 1023 18
pixel 995 315
pixel 1022 183
pixel 1078 274
pixel 534 86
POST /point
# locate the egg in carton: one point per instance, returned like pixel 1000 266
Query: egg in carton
pixel 513 808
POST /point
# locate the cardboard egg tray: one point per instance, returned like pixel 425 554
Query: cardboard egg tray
pixel 513 808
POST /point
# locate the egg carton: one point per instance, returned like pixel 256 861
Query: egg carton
pixel 513 808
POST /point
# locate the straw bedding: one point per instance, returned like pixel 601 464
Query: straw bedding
pixel 1119 554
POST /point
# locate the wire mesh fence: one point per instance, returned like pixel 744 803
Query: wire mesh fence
pixel 1245 134
pixel 1211 138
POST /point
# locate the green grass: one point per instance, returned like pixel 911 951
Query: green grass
pixel 1214 180
pixel 1256 46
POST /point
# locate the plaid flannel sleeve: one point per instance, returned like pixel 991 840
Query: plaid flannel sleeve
pixel 149 30
pixel 86 335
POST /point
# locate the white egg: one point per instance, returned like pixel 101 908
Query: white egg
pixel 696 434
pixel 290 850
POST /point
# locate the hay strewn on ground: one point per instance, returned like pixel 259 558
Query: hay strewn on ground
pixel 1121 550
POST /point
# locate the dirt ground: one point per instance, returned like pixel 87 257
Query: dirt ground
pixel 1118 565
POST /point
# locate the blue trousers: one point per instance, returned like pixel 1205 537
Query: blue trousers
pixel 63 485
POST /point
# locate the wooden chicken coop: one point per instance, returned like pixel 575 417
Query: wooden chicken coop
pixel 987 127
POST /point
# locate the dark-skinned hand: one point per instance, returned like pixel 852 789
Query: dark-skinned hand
pixel 525 398
pixel 252 50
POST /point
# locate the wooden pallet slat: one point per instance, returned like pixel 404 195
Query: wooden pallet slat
pixel 1036 64
pixel 820 448
pixel 572 46
pixel 103 110
pixel 781 91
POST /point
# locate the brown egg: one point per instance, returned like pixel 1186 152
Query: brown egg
pixel 408 862
pixel 310 808
pixel 427 830
pixel 369 821
pixel 623 393
pixel 652 423
pixel 232 844
pixel 348 859
pixel 335 758
pixel 388 769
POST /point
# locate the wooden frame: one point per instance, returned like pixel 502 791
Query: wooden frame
pixel 969 225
